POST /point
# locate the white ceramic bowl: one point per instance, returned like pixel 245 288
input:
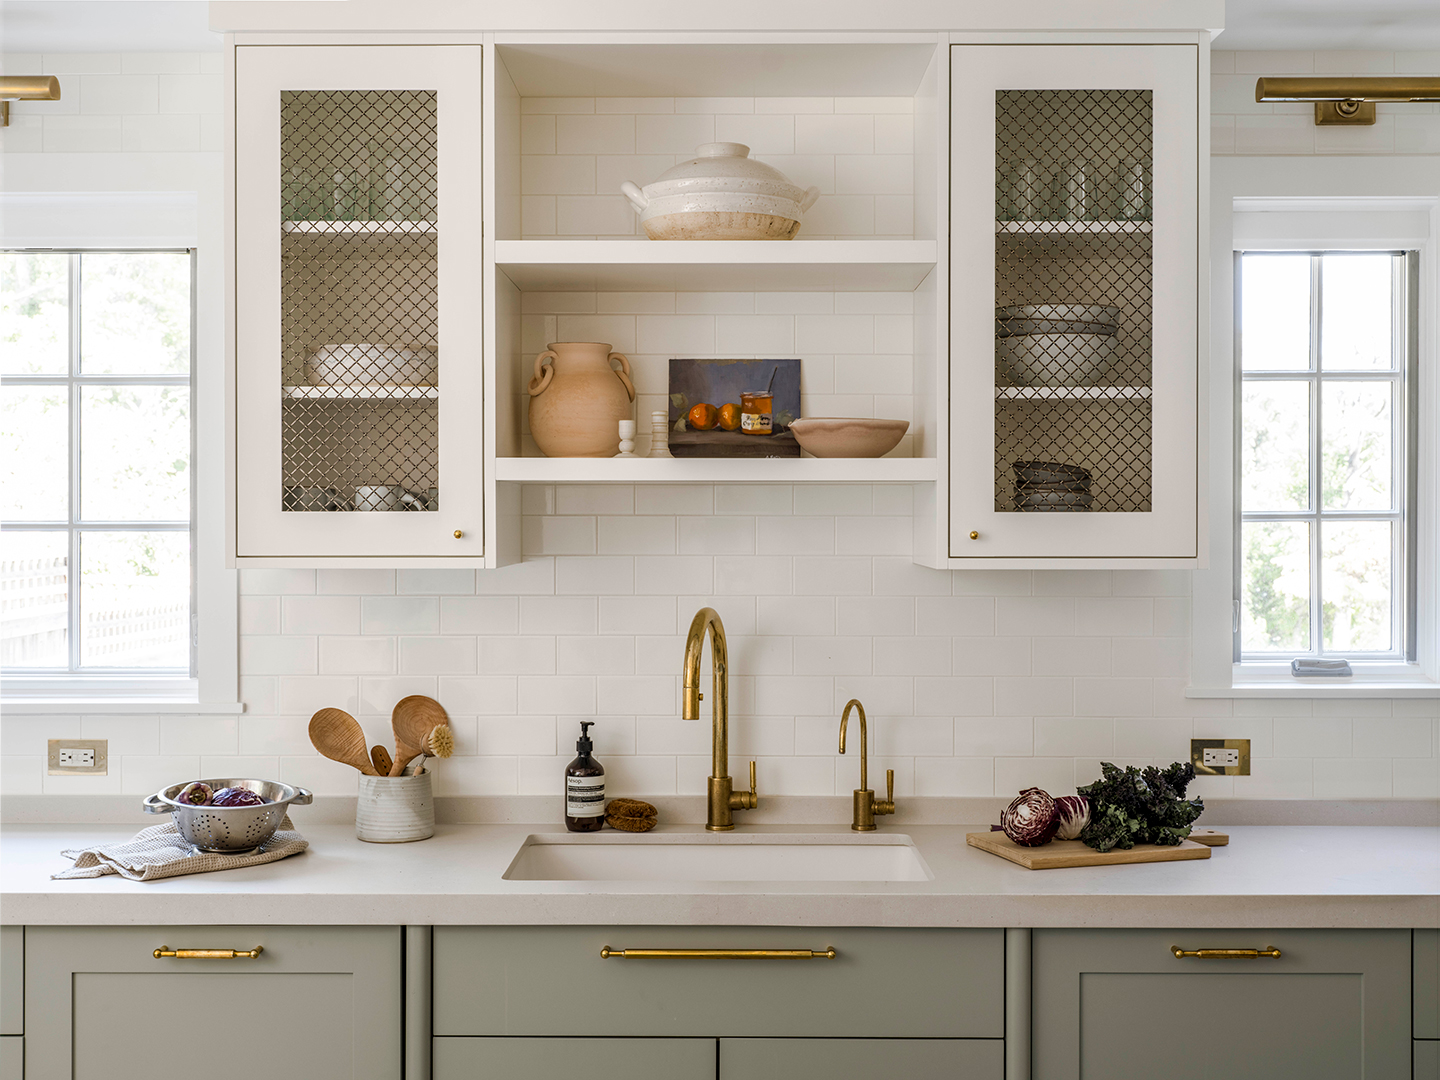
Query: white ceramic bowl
pixel 370 365
pixel 1054 359
pixel 848 436
pixel 721 194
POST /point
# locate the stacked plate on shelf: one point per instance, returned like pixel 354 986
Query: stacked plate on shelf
pixel 1051 486
pixel 1055 344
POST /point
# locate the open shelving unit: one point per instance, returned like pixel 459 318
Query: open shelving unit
pixel 540 282
pixel 716 265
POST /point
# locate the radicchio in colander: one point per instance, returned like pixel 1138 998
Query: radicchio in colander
pixel 234 796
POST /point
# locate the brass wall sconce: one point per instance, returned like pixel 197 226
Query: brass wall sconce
pixel 1344 100
pixel 26 88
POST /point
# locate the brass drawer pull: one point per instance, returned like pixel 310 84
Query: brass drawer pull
pixel 1227 954
pixel 208 954
pixel 716 954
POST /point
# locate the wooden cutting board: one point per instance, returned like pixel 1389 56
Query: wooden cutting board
pixel 1060 853
pixel 1209 837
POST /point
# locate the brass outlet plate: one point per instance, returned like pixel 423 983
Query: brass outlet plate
pixel 1220 757
pixel 62 758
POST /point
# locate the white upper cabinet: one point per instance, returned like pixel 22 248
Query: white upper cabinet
pixel 1074 304
pixel 358 382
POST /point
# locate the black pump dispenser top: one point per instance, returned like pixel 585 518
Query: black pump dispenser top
pixel 583 744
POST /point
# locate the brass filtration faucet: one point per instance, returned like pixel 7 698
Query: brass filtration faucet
pixel 721 798
pixel 866 805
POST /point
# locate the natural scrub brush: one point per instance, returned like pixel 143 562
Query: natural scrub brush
pixel 439 743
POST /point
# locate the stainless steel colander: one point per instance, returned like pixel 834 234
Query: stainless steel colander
pixel 230 830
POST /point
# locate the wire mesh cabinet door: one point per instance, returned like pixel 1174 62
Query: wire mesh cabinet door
pixel 1074 301
pixel 358 356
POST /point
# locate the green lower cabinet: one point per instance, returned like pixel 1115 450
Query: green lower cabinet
pixel 842 1059
pixel 318 1003
pixel 1118 1005
pixel 12 1057
pixel 568 1059
pixel 1427 1059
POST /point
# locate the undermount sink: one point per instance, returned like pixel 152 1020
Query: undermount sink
pixel 744 857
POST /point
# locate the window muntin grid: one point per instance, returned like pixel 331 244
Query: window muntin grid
pixel 359 269
pixel 59 595
pixel 1074 213
pixel 1300 371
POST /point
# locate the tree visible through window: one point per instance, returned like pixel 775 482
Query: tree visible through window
pixel 1323 340
pixel 95 362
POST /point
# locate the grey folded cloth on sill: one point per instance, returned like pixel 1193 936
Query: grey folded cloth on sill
pixel 161 852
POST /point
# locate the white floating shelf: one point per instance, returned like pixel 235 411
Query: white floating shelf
pixel 362 393
pixel 356 228
pixel 1073 227
pixel 641 470
pixel 1072 393
pixel 715 265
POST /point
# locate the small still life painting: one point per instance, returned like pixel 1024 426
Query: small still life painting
pixel 734 408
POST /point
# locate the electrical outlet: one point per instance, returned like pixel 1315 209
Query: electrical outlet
pixel 79 757
pixel 1220 757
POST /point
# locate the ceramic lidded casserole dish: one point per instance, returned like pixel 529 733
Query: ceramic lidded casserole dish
pixel 721 194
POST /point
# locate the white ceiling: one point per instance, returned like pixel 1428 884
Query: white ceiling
pixel 182 25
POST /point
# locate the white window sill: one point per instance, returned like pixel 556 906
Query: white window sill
pixel 1265 681
pixel 40 696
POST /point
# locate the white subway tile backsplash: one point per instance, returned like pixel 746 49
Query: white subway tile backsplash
pixel 437 656
pixel 1070 656
pixel 592 576
pixel 595 656
pixel 1366 778
pixel 1313 737
pixel 125 735
pixel 763 133
pixel 594 134
pixel 355 582
pixel 265 655
pixel 823 575
pixel 199 735
pixel 1415 778
pixel 717 536
pixel 1054 774
pixel 400 615
pixel 674 134
pixel 954 696
pixel 1075 736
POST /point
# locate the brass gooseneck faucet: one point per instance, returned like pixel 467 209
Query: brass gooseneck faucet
pixel 866 805
pixel 722 799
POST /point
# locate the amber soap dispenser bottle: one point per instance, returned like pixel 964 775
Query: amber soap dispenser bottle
pixel 584 787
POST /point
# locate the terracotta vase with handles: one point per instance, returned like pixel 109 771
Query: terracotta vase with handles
pixel 577 399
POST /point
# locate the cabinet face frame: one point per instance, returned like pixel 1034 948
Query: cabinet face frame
pixel 260 530
pixel 370 954
pixel 1169 531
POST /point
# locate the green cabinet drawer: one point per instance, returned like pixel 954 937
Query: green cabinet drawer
pixel 569 1059
pixel 1427 1059
pixel 833 1059
pixel 322 1003
pixel 1108 1005
pixel 12 1057
pixel 897 983
pixel 1427 984
pixel 12 980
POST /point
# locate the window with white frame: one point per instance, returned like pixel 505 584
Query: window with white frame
pixel 96 573
pixel 1325 538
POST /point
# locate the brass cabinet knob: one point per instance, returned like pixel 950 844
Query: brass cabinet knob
pixel 459 533
pixel 974 535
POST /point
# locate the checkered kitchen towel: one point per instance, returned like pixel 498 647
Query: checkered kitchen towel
pixel 161 852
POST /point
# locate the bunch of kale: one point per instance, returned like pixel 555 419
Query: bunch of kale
pixel 1140 806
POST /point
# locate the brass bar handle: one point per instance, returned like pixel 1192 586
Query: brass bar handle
pixel 608 953
pixel 1227 954
pixel 208 954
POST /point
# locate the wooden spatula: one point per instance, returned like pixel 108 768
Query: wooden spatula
pixel 413 719
pixel 338 735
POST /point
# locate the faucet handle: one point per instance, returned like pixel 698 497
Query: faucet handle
pixel 887 806
pixel 745 800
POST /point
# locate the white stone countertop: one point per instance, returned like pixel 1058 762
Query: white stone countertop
pixel 1268 876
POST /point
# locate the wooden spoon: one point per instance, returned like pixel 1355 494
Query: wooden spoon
pixel 412 721
pixel 380 758
pixel 338 735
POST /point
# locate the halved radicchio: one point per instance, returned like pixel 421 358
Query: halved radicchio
pixel 1072 813
pixel 1031 819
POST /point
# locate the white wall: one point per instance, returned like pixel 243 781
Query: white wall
pixel 976 682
